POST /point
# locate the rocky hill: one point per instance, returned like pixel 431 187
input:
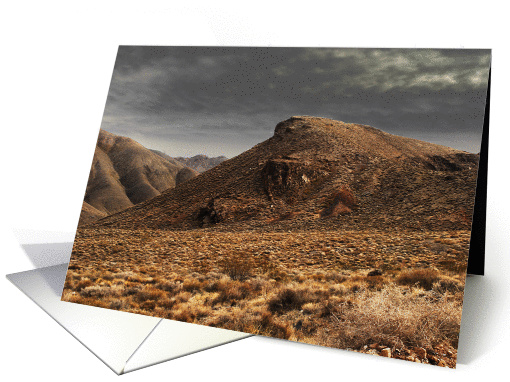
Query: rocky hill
pixel 320 173
pixel 124 173
pixel 201 163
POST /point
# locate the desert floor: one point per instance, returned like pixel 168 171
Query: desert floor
pixel 394 293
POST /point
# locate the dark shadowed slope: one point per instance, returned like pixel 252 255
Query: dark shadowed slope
pixel 317 172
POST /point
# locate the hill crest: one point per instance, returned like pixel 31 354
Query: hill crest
pixel 320 172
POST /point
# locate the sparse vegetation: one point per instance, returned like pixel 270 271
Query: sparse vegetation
pixel 376 298
pixel 424 278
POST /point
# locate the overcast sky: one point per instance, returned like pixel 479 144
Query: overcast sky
pixel 222 101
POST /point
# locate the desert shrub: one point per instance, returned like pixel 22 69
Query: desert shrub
pixel 265 265
pixel 221 321
pixel 96 291
pixel 256 284
pixel 357 286
pixel 148 293
pixel 83 283
pixel 188 313
pixel 117 304
pixel 268 326
pixel 107 276
pixel 148 305
pixel 122 275
pixel 288 299
pixel 167 286
pixel 182 297
pixel 327 308
pixel 237 267
pixel 310 307
pixel 336 277
pixel 422 277
pixel 233 292
pixel 375 282
pixel 395 318
pixel 338 290
pixel 263 324
pixel 449 284
pixel 217 285
pixel 454 265
pixel 166 303
pixel 191 285
pixel 183 315
pixel 131 290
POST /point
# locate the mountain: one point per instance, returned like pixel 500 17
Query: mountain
pixel 124 173
pixel 320 173
pixel 174 161
pixel 201 163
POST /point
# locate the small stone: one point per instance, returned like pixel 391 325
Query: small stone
pixel 450 353
pixel 373 346
pixel 386 352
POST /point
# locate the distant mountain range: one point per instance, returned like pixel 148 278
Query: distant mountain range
pixel 320 173
pixel 201 163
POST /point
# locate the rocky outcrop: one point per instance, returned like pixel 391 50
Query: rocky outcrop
pixel 289 177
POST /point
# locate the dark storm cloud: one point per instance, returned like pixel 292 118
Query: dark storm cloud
pixel 216 101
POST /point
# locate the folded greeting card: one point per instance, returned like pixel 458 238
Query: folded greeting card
pixel 327 196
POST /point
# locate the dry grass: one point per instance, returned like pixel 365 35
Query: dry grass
pixel 424 278
pixel 237 267
pixel 309 298
pixel 397 319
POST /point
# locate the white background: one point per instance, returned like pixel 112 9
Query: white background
pixel 56 62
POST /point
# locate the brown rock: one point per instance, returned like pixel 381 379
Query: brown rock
pixel 386 352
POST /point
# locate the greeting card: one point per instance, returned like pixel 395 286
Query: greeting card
pixel 322 195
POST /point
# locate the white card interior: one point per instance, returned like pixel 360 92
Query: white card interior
pixel 123 341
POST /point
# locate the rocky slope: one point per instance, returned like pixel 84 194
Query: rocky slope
pixel 320 173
